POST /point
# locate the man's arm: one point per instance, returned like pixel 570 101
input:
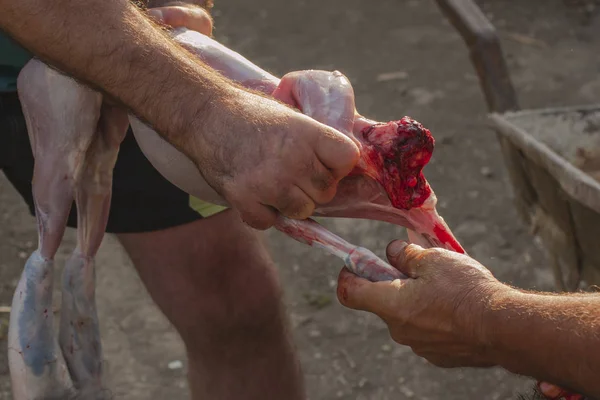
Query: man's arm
pixel 257 153
pixel 555 338
pixel 114 47
pixel 454 313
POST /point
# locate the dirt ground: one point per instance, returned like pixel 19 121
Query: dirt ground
pixel 552 51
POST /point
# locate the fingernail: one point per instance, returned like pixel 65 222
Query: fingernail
pixel 396 247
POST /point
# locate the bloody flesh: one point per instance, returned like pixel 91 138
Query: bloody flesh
pixel 446 238
pixel 395 154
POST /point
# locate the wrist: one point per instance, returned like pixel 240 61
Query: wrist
pixel 203 119
pixel 502 324
pixel 484 305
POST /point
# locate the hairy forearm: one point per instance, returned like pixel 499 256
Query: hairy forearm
pixel 114 47
pixel 555 338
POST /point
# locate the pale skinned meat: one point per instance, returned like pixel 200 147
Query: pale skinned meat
pixel 75 141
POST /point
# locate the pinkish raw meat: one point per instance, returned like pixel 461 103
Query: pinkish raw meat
pixel 359 260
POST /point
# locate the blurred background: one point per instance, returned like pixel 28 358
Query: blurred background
pixel 403 58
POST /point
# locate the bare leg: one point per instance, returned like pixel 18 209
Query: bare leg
pixel 79 330
pixel 215 282
pixel 59 138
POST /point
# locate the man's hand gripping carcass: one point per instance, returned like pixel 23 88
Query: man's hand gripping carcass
pixel 386 184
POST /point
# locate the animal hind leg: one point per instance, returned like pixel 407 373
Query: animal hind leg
pixel 51 103
pixel 79 329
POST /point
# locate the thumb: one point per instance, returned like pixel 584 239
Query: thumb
pixel 404 257
pixel 381 298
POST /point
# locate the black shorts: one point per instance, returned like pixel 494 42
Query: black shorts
pixel 142 200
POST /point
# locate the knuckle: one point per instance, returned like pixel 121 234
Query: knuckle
pixel 325 196
pixel 354 152
pixel 284 200
pixel 301 210
pixel 323 181
pixel 296 207
pixel 255 222
pixel 340 171
pixel 349 154
pixel 255 214
pixel 429 253
pixel 413 252
pixel 437 256
pixel 426 255
pixel 343 156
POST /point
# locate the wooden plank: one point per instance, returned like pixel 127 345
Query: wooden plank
pixel 486 53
